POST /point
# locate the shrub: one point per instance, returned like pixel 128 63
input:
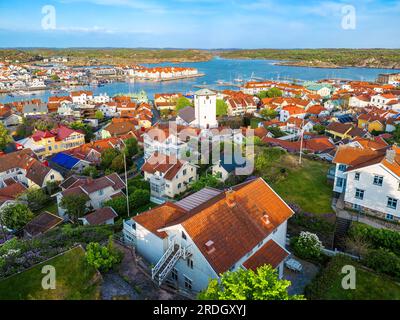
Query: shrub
pixel 383 261
pixel 378 238
pixel 102 257
pixel 307 246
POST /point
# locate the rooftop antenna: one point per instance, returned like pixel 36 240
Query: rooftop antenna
pixel 126 186
pixel 301 140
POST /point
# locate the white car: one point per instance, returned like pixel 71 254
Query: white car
pixel 293 265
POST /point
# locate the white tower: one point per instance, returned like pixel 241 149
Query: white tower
pixel 205 109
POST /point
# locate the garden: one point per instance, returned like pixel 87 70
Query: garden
pixel 75 280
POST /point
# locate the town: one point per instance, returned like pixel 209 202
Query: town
pixel 169 197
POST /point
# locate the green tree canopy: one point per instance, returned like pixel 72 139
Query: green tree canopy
pixel 15 216
pixel 102 257
pixel 208 180
pixel 75 205
pixel 181 103
pixel 119 205
pixel 35 197
pixel 131 147
pixel 99 115
pixel 90 171
pixel 222 108
pixel 85 128
pixel 108 156
pixel 262 284
pixel 319 128
pixel 269 113
pixel 118 165
pixel 44 124
pixel 5 137
pixel 270 93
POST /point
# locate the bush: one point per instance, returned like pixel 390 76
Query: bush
pixel 383 261
pixel 101 257
pixel 378 238
pixel 307 246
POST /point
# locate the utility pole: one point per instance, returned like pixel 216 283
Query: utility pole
pixel 126 186
pixel 301 140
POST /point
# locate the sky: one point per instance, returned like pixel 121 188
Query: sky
pixel 206 24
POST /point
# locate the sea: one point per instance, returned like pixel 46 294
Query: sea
pixel 220 70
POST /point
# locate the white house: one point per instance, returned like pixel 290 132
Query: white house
pixel 81 97
pixel 210 232
pixel 369 180
pixel 95 191
pixel 167 175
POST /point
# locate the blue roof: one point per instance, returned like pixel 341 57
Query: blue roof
pixel 345 118
pixel 65 160
pixel 230 163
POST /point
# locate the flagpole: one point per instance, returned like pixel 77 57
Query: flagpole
pixel 301 140
pixel 126 186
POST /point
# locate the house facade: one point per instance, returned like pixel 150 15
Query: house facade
pixel 210 232
pixel 369 180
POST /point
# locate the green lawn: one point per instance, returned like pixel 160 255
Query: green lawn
pixel 305 184
pixel 369 285
pixel 75 280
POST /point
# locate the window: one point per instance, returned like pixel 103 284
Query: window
pixel 52 177
pixel 356 207
pixel 378 180
pixel 179 185
pixel 392 203
pixel 357 176
pixel 339 182
pixel 188 283
pixel 389 216
pixel 260 244
pixel 342 167
pixel 184 172
pixel 189 263
pixel 101 192
pixel 359 194
pixel 174 274
pixel 183 235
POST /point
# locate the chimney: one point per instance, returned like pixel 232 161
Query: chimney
pixel 230 198
pixel 390 155
pixel 265 219
pixel 210 246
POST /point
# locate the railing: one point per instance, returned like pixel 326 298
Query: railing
pixel 169 266
pixel 163 259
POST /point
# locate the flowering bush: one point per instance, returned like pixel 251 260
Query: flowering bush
pixel 307 245
pixel 102 257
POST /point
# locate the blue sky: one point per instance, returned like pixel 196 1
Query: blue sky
pixel 200 24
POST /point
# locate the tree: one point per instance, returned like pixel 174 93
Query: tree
pixel 307 245
pixel 16 216
pixel 131 147
pixel 85 128
pixel 90 171
pixel 206 181
pixel 119 205
pixel 222 108
pixel 102 257
pixel 139 198
pixel 269 113
pixel 262 284
pixel 35 197
pixel 75 205
pixel 99 115
pixel 44 124
pixel 5 137
pixel 138 183
pixel 181 103
pixel 319 128
pixel 270 93
pixel 108 156
pixel 276 131
pixel 118 165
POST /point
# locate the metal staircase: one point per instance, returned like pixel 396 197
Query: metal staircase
pixel 167 262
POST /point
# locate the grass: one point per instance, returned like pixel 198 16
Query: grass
pixel 75 280
pixel 305 185
pixel 369 285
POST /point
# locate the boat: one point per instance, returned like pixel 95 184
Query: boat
pixel 220 81
pixel 238 80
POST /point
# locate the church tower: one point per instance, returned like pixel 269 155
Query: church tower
pixel 205 109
